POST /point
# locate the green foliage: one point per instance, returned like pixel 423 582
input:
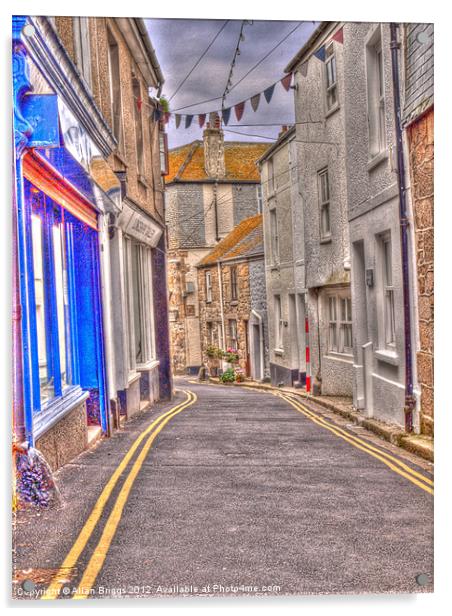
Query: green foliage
pixel 228 376
pixel 164 104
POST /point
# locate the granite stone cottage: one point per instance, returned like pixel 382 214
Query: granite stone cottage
pixel 212 185
pixel 232 298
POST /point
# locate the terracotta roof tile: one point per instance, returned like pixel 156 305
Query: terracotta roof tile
pixel 187 162
pixel 245 239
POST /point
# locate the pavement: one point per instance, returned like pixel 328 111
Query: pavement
pixel 240 493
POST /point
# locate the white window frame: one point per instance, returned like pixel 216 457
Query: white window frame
pixel 233 333
pixel 375 93
pixel 339 322
pixel 271 177
pixel 279 323
pixel 115 94
pixel 208 279
pixel 259 198
pixel 324 194
pixel 331 89
pixel 234 283
pixel 274 237
pixel 142 301
pixel 387 339
pixel 139 128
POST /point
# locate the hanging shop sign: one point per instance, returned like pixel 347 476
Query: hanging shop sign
pixel 139 226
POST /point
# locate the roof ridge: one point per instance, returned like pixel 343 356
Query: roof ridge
pixel 233 238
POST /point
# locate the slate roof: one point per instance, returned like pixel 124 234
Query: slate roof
pixel 186 163
pixel 245 240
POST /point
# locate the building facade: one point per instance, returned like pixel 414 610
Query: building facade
pixel 322 178
pixel 90 231
pixel 283 224
pixel 418 116
pixel 211 186
pixel 232 298
pixel 382 245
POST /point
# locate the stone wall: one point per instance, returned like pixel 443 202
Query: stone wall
pixel 420 138
pixel 258 299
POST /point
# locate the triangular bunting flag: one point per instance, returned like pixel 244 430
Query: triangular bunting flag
pixel 255 101
pixel 268 93
pixel 178 119
pixel 225 115
pixel 188 119
pixel 201 119
pixel 166 117
pixel 320 53
pixel 304 68
pixel 157 114
pixel 338 36
pixel 286 81
pixel 239 108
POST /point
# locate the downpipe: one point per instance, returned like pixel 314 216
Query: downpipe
pixel 410 401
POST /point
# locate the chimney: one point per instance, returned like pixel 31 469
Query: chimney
pixel 213 138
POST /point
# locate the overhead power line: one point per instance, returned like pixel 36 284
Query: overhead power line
pixel 199 60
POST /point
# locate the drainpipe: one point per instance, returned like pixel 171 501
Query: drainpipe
pixel 410 401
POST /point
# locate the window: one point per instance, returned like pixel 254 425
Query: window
pixel 233 333
pixel 51 300
pixel 330 77
pixel 138 279
pixel 208 286
pixel 137 100
pixel 388 291
pixel 82 47
pixel 375 94
pixel 271 177
pixel 259 198
pixel 324 203
pixel 234 287
pixel 115 89
pixel 340 338
pixel 278 323
pixel 274 236
pixel 209 333
pixel 163 145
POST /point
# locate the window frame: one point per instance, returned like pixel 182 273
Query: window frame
pixel 388 335
pixel 82 47
pixel 278 322
pixel 233 333
pixel 274 236
pixel 330 60
pixel 234 283
pixel 324 203
pixel 376 107
pixel 114 80
pixel 339 323
pixel 139 127
pixel 208 282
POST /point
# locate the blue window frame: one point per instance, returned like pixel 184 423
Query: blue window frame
pixel 65 314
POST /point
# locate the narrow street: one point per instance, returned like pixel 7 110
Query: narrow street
pixel 236 492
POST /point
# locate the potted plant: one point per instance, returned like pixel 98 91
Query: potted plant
pixel 214 354
pixel 240 375
pixel 231 356
pixel 228 376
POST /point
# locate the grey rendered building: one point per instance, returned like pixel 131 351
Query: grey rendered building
pixel 381 350
pixel 322 179
pixel 284 260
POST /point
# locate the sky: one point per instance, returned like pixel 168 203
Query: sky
pixel 179 43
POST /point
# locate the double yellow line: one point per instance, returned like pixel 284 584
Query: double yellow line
pixel 396 465
pixel 100 551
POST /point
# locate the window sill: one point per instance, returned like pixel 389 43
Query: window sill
pixel 153 363
pixel 58 408
pixel 387 356
pixel 274 267
pixel 348 357
pixel 332 111
pixel 377 160
pixel 234 302
pixel 133 376
pixel 278 352
pixel 326 240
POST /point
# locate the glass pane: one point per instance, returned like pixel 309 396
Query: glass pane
pixel 388 262
pixel 45 381
pixel 61 300
pixel 137 279
pixel 325 219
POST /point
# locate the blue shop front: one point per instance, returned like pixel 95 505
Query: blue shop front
pixel 60 392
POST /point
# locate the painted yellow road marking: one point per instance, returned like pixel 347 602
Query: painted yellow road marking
pixel 100 551
pixel 385 454
pixel 346 437
pixel 52 591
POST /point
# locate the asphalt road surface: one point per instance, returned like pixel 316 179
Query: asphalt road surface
pixel 237 492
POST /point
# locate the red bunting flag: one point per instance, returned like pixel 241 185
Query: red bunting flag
pixel 166 117
pixel 239 108
pixel 139 103
pixel 286 81
pixel 338 36
pixel 201 119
